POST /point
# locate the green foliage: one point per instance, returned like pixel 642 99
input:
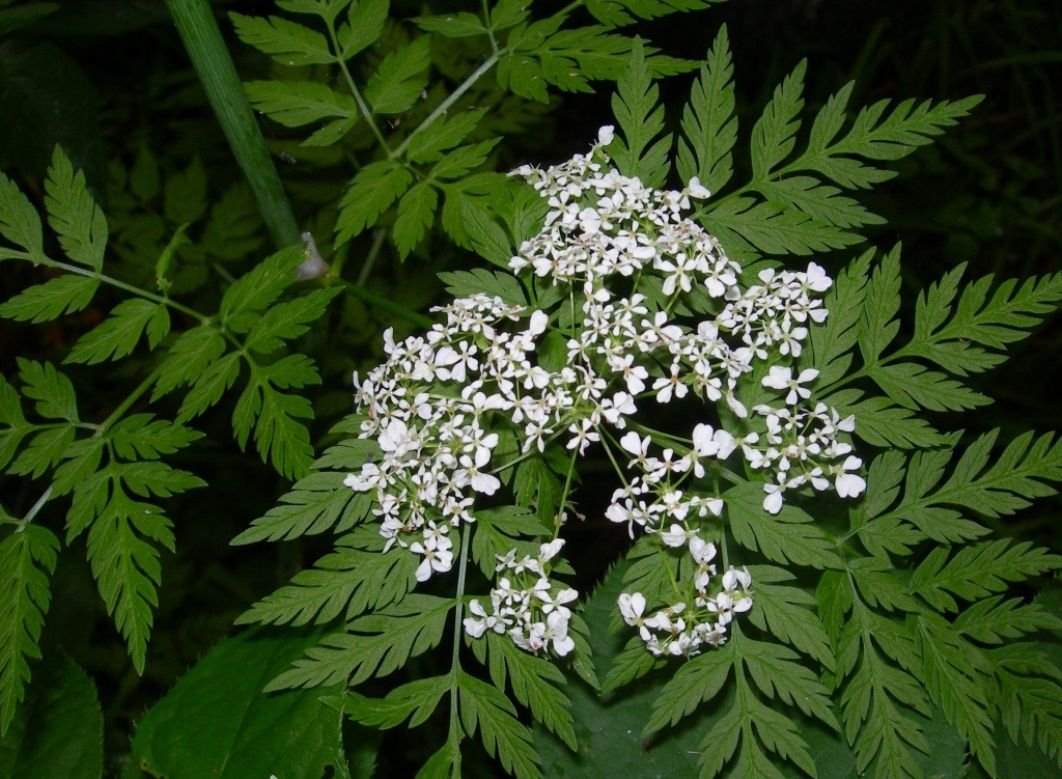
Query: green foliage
pixel 27 560
pixel 216 721
pixel 58 730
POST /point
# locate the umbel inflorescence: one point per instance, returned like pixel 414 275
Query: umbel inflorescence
pixel 652 313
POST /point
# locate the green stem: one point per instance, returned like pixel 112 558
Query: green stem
pixel 445 105
pixel 35 509
pixel 111 281
pixel 382 303
pixel 126 404
pixel 455 662
pixel 370 261
pixel 366 112
pixel 206 49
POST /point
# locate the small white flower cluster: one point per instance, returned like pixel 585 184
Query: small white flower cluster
pixel 527 604
pixel 680 631
pixel 635 269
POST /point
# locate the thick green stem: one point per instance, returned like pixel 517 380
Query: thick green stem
pixel 202 39
pixel 382 303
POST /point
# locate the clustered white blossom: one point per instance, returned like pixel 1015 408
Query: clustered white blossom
pixel 526 604
pixel 636 270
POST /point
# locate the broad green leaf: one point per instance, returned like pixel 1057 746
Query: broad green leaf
pixel 416 212
pixel 44 302
pixel 73 214
pixel 119 334
pixel 59 729
pixel 374 188
pixel 52 390
pixel 299 103
pixel 709 127
pixel 19 222
pixel 487 237
pixel 640 152
pixel 27 561
pixel 217 722
pixel 287 42
pixel 400 78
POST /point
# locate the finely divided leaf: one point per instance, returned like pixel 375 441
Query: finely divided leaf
pixel 287 42
pixel 373 645
pixel 483 706
pixel 363 26
pixel 640 153
pixel 788 536
pixel 709 127
pixel 119 334
pixel 416 211
pixel 774 134
pixel 73 214
pixel 44 302
pixel 188 358
pixel 298 103
pixel 27 560
pixel 19 221
pixel 318 502
pixel 479 280
pixel 289 320
pixel 400 78
pixel 126 566
pixel 376 187
pixel 52 390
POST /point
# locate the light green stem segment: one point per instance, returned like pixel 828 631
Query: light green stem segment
pixel 202 39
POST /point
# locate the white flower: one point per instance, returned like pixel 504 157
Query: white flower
pixel 849 485
pixel 697 189
pixel 674 537
pixel 632 606
pixel 782 378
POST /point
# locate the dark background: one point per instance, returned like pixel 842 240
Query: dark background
pixel 103 78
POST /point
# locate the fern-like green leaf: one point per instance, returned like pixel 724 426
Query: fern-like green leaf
pixel 53 391
pixel 27 560
pixel 534 682
pixel 642 151
pixel 126 566
pixel 372 645
pixel 363 26
pixel 977 571
pixel 995 620
pixel 287 42
pixel 400 78
pixel 788 536
pixel 73 214
pixel 774 134
pixel 189 357
pixel 416 211
pixel 285 321
pixel 48 301
pixel 414 701
pixel 299 103
pixel 374 188
pixel 348 582
pixel 485 708
pixel 709 127
pixel 119 334
pixel 280 438
pixel 19 222
pixel 783 612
